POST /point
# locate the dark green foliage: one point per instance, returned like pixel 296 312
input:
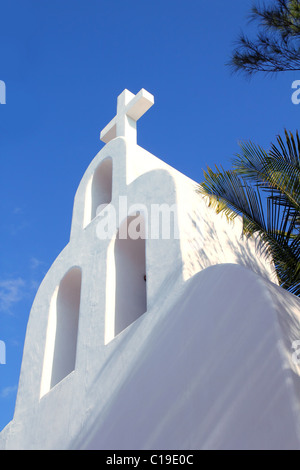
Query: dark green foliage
pixel 264 188
pixel 276 47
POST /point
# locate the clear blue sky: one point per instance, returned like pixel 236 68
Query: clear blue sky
pixel 64 63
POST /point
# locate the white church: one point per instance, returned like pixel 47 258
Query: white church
pixel 158 326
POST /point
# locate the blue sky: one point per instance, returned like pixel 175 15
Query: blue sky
pixel 64 63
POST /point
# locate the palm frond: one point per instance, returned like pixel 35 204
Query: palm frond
pixel 278 169
pixel 264 188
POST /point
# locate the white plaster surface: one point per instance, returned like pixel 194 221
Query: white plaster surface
pixel 130 109
pixel 208 365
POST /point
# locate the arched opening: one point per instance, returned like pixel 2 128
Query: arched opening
pixel 101 187
pixel 61 341
pixel 130 272
pixel 98 191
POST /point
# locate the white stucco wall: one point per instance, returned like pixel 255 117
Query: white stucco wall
pixel 178 300
pixel 214 371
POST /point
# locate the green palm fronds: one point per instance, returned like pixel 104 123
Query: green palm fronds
pixel 264 188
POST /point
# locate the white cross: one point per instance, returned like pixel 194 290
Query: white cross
pixel 130 108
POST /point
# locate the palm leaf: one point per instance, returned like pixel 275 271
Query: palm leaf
pixel 264 188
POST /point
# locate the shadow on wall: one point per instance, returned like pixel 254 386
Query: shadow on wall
pixel 206 341
pixel 130 262
pixel 199 365
pixel 98 193
pixel 214 241
pixel 62 330
pixel 132 281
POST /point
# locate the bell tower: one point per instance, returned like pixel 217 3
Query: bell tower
pixel 157 326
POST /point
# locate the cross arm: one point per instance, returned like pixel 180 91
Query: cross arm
pixel 139 105
pixel 130 107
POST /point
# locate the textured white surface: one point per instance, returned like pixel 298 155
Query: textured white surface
pixel 213 372
pixel 207 366
pixel 130 109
